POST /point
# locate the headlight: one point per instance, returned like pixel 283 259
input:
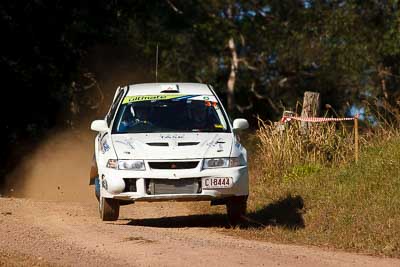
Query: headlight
pixel 112 163
pixel 222 163
pixel 126 164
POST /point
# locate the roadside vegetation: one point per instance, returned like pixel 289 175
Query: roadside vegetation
pixel 307 188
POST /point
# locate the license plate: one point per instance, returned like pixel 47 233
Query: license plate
pixel 216 182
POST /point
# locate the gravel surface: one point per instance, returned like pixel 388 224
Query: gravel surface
pixel 66 233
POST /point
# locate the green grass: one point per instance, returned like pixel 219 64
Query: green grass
pixel 354 207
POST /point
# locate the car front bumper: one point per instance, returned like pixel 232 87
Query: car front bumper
pixel 111 177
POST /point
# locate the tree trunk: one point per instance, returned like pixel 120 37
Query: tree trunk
pixel 311 107
pixel 232 75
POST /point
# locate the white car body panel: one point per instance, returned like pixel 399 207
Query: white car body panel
pixel 139 146
pixel 210 145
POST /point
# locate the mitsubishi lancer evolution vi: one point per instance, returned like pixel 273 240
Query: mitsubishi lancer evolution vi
pixel 163 142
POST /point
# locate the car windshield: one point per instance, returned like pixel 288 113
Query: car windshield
pixel 171 113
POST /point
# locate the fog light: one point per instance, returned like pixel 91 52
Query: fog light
pixel 104 184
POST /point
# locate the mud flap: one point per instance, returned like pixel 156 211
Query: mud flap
pixel 217 202
pixel 94 173
pixel 97 187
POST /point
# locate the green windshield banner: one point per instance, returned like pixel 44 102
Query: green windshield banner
pixel 140 98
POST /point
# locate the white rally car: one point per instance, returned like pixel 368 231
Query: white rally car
pixel 169 142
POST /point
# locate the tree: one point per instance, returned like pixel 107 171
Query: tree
pixel 42 45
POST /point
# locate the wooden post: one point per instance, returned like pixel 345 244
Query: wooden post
pixel 356 146
pixel 311 107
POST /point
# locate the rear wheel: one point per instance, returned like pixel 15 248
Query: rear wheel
pixel 108 209
pixel 236 209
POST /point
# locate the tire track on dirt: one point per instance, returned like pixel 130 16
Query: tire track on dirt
pixel 148 234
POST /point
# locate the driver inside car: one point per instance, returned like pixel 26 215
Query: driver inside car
pixel 138 116
pixel 202 116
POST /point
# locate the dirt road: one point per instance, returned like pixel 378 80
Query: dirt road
pixel 65 229
pixel 66 233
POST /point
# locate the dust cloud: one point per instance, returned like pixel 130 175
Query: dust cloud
pixel 57 170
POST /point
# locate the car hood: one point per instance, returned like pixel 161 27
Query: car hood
pixel 172 146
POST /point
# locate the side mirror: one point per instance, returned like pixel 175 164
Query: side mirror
pixel 99 126
pixel 240 124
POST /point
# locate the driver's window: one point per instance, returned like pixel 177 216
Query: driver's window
pixel 114 107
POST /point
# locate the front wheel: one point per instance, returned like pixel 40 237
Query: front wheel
pixel 236 209
pixel 108 209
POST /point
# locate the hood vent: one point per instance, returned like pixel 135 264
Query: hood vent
pixel 169 88
pixel 188 143
pixel 179 143
pixel 157 144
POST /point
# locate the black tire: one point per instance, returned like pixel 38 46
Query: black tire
pixel 108 209
pixel 236 209
pixel 126 202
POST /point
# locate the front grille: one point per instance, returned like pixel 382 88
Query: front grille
pixel 188 143
pixel 173 186
pixel 174 165
pixel 157 144
pixel 130 185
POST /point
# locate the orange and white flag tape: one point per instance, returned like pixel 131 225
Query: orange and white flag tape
pixel 316 119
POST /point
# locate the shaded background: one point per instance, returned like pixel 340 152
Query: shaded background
pixel 61 61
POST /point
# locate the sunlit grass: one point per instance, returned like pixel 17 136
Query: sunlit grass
pixel 345 205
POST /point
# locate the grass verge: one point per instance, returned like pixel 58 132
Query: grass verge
pixel 354 207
